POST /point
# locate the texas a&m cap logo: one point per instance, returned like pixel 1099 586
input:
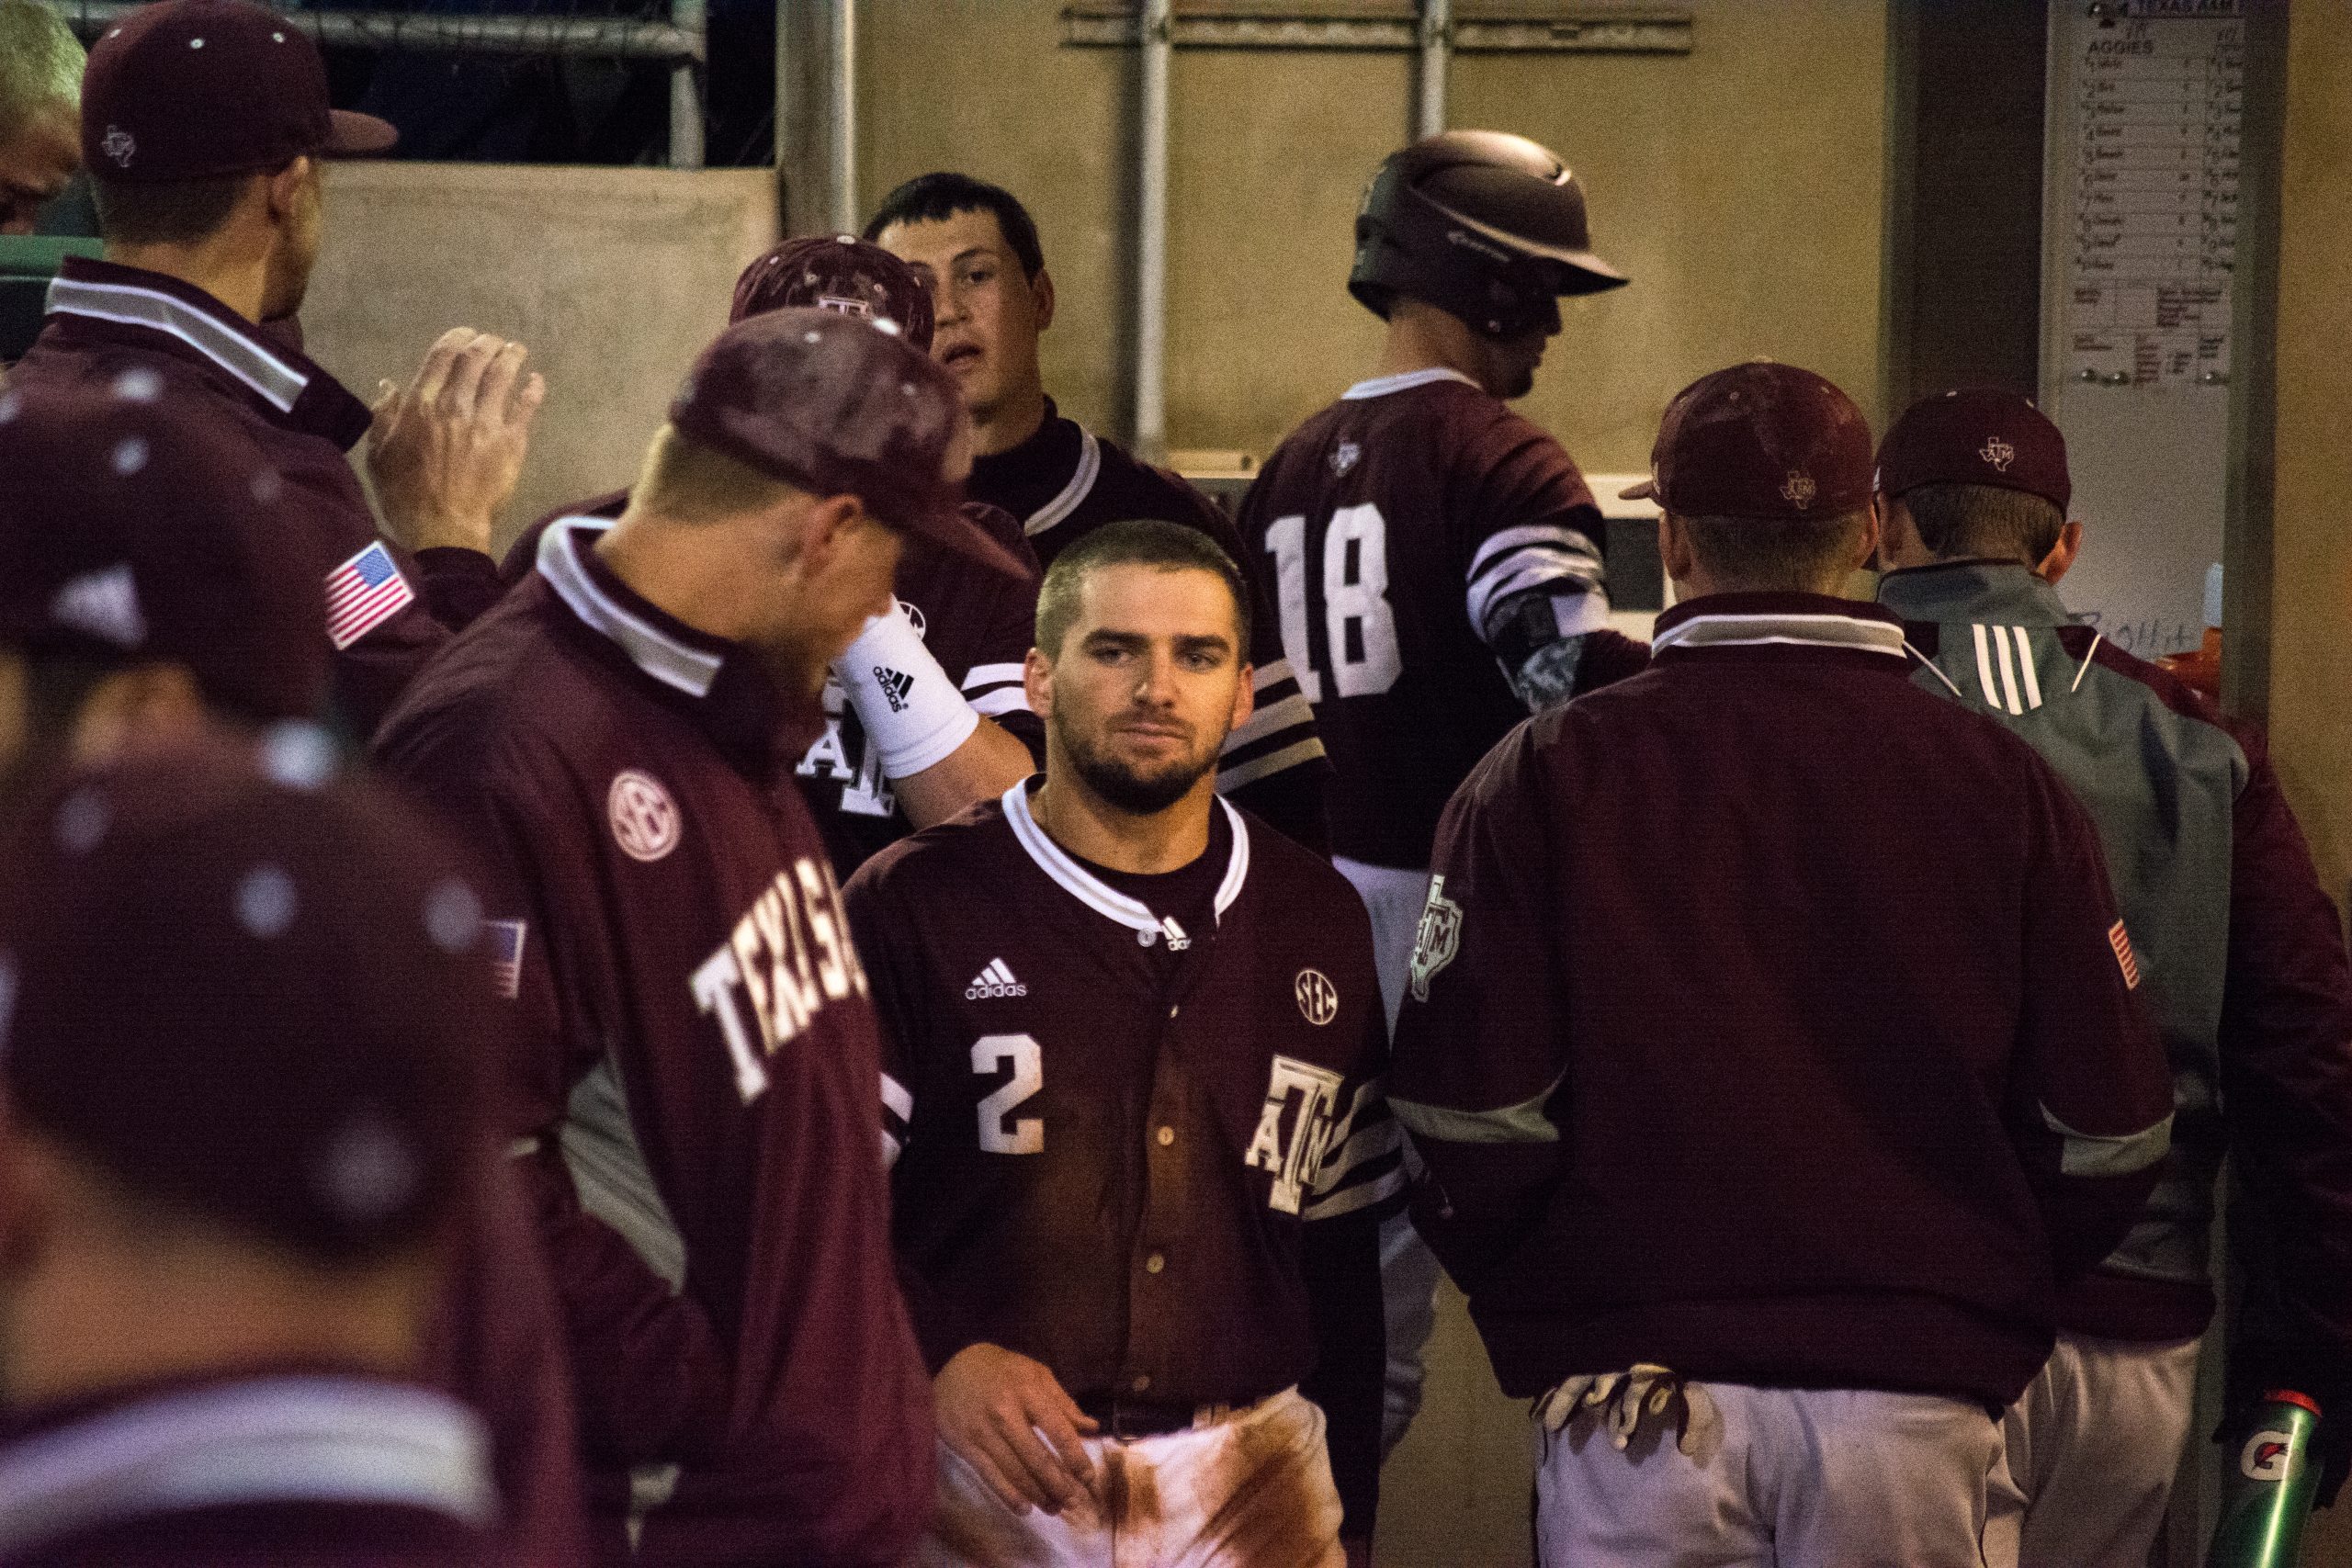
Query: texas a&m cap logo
pixel 1798 490
pixel 1435 939
pixel 1997 453
pixel 1294 1129
pixel 644 817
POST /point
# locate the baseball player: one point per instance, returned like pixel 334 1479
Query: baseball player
pixel 40 85
pixel 238 1133
pixel 978 248
pixel 150 599
pixel 1431 552
pixel 2241 959
pixel 696 1057
pixel 924 714
pixel 202 125
pixel 1131 1099
pixel 1771 1045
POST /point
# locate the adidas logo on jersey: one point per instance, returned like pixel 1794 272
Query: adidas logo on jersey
pixel 895 684
pixel 994 982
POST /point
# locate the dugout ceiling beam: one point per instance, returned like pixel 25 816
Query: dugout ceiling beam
pixel 1517 26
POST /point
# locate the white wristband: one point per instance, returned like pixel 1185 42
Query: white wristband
pixel 913 714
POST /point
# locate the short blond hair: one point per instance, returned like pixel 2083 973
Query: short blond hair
pixel 40 63
pixel 688 483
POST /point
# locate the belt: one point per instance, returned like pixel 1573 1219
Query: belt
pixel 1124 1416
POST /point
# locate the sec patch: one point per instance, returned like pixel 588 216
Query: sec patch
pixel 645 819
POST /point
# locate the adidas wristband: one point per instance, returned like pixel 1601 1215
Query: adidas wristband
pixel 914 715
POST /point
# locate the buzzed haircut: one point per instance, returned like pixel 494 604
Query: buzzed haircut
pixel 687 482
pixel 940 195
pixel 40 63
pixel 1777 555
pixel 171 212
pixel 1984 523
pixel 1164 547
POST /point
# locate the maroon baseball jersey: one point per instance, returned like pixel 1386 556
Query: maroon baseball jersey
pixel 147 335
pixel 1390 525
pixel 1136 1122
pixel 694 1077
pixel 976 624
pixel 1064 482
pixel 304 1467
pixel 1770 1020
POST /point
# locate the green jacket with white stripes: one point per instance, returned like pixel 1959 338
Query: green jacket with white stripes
pixel 2240 953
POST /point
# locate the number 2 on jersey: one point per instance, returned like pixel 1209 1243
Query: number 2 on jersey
pixel 991 1054
pixel 1359 645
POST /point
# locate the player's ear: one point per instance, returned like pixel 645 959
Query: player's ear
pixel 2061 555
pixel 1866 557
pixel 1674 548
pixel 284 190
pixel 1245 699
pixel 1042 288
pixel 1038 681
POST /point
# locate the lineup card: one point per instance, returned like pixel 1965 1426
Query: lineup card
pixel 2157 96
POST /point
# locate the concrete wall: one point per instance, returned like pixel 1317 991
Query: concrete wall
pixel 614 277
pixel 2311 659
pixel 1270 152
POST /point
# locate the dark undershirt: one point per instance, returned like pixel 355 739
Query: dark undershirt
pixel 1188 894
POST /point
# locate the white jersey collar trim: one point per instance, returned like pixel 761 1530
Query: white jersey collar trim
pixel 270 378
pixel 281 1440
pixel 1101 896
pixel 1793 629
pixel 1404 381
pixel 1082 483
pixel 673 663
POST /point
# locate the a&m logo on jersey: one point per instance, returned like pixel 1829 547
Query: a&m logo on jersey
pixel 1344 457
pixel 2125 960
pixel 118 145
pixel 1295 1129
pixel 1998 452
pixel 1436 938
pixel 1798 489
pixel 644 817
pixel 1318 1000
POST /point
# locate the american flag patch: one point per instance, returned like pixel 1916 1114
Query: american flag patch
pixel 506 940
pixel 363 594
pixel 2121 940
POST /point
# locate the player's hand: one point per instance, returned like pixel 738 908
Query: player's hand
pixel 1009 1420
pixel 446 451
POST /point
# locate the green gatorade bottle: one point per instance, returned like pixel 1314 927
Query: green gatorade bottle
pixel 2267 1494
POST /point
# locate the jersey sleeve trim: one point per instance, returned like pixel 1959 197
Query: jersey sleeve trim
pixel 1522 1123
pixel 1230 779
pixel 1003 700
pixel 1534 556
pixel 2090 1154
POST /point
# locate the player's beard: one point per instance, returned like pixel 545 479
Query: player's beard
pixel 1129 788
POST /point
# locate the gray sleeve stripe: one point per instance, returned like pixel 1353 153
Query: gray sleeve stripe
pixel 1522 1123
pixel 1382 1137
pixel 2088 1154
pixel 1362 1195
pixel 1289 756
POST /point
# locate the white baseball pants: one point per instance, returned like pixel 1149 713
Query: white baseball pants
pixel 1251 1489
pixel 1408 1271
pixel 2092 1449
pixel 1800 1478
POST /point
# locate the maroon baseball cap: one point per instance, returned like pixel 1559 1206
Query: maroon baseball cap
pixel 1976 436
pixel 249 988
pixel 197 89
pixel 132 530
pixel 824 401
pixel 838 271
pixel 1760 440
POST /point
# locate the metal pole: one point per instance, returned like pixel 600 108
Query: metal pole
pixel 613 38
pixel 1151 243
pixel 685 97
pixel 1437 47
pixel 841 101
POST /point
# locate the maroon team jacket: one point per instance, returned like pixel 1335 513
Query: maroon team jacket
pixel 697 1078
pixel 1770 1020
pixel 147 335
pixel 304 1466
